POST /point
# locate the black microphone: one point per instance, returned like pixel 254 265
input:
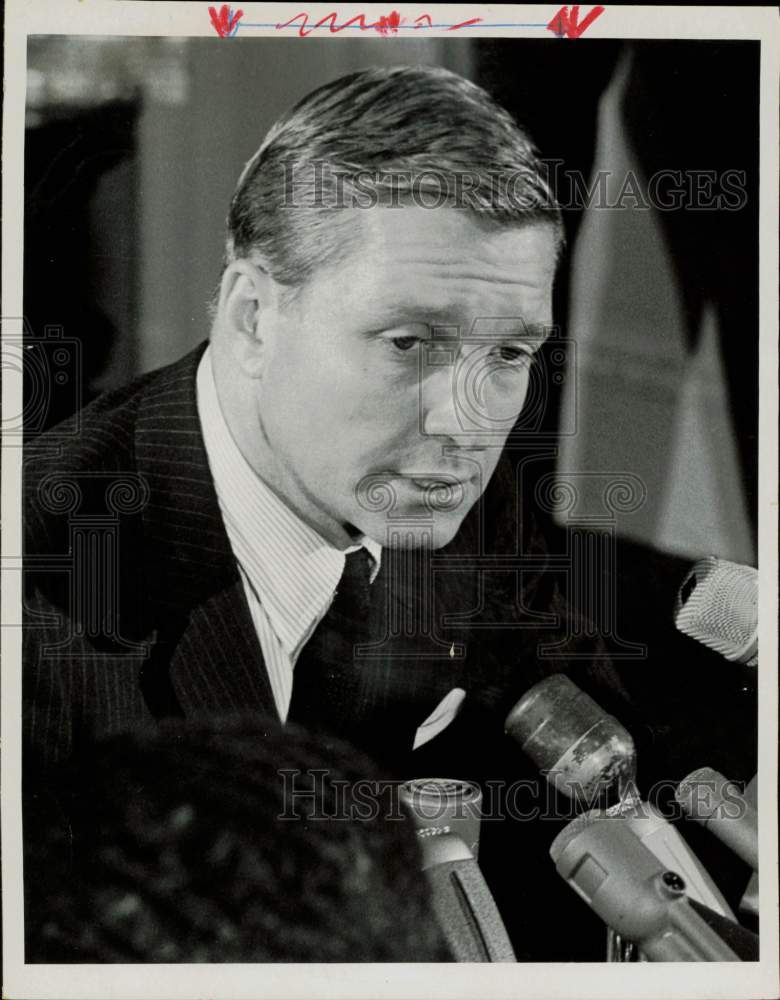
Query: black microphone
pixel 717 605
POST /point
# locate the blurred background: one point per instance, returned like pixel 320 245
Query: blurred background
pixel 134 146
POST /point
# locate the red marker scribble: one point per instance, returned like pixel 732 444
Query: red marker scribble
pixel 568 25
pixel 464 24
pixel 384 25
pixel 304 29
pixel 389 23
pixel 224 22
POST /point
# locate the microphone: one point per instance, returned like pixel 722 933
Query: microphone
pixel 633 892
pixel 717 605
pixel 748 905
pixel 589 755
pixel 444 805
pixel 585 754
pixel 462 901
pixel 447 815
pixel 708 798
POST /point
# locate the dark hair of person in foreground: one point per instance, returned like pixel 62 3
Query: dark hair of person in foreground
pixel 168 846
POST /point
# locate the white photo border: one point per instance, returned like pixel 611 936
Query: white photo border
pixel 644 980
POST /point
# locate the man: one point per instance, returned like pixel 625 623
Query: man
pixel 311 516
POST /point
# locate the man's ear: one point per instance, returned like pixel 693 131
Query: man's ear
pixel 247 294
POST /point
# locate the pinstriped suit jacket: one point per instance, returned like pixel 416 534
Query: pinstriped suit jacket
pixel 134 609
pixel 133 601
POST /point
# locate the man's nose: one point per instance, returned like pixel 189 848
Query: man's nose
pixel 457 396
pixel 441 416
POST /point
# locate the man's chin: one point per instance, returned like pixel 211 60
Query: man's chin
pixel 432 533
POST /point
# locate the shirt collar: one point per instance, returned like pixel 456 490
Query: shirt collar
pixel 291 568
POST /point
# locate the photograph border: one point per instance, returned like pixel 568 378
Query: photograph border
pixel 136 17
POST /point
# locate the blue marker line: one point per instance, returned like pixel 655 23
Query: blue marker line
pixel 390 30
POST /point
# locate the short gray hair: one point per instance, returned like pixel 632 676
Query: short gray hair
pixel 380 136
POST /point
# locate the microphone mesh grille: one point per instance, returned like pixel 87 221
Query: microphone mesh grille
pixel 718 606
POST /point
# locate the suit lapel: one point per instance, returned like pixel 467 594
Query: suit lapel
pixel 207 656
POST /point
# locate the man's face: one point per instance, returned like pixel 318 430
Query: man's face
pixel 384 407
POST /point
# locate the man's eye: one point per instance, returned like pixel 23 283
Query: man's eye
pixel 513 355
pixel 404 343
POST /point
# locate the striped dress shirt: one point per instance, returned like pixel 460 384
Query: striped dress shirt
pixel 289 572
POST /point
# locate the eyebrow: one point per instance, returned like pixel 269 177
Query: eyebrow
pixel 444 318
pixel 401 312
pixel 516 328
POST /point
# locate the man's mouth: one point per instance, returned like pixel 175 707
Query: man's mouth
pixel 444 480
pixel 435 481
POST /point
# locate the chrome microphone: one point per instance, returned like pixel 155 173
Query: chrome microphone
pixel 748 905
pixel 633 892
pixel 708 798
pixel 440 806
pixel 463 903
pixel 447 814
pixel 717 605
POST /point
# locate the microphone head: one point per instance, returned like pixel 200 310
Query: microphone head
pixel 717 605
pixel 701 792
pixel 443 806
pixel 573 829
pixel 586 754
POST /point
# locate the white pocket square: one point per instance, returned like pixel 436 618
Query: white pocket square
pixel 440 717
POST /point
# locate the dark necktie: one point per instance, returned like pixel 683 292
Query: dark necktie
pixel 326 677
